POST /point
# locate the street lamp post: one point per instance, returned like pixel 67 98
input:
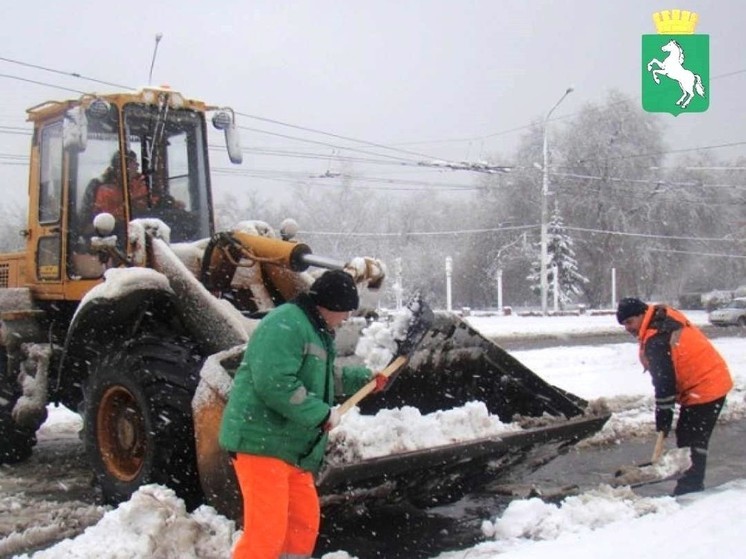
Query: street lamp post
pixel 544 195
pixel 449 271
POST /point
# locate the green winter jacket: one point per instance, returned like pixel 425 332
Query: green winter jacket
pixel 285 386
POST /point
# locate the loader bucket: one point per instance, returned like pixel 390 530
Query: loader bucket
pixel 446 473
pixel 452 366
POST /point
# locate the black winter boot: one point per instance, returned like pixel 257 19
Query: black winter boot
pixel 694 478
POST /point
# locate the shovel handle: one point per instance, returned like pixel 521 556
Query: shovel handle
pixel 353 400
pixel 658 450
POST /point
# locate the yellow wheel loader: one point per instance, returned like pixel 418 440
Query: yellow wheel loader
pixel 129 308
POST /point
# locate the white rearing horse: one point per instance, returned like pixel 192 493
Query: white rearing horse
pixel 689 82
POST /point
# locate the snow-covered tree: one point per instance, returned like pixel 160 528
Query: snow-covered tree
pixel 560 259
pixel 609 152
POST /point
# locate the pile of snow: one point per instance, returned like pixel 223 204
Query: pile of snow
pixel 536 520
pixel 153 523
pixel 617 524
pixel 613 523
pixel 378 342
pixel 404 429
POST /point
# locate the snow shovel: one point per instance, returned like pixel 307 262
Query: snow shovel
pixel 657 452
pixel 420 323
pixel 653 471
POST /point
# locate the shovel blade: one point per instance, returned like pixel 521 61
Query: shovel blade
pixel 670 465
pixel 631 469
pixel 421 321
pixel 657 453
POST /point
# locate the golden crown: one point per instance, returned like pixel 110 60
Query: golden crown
pixel 675 22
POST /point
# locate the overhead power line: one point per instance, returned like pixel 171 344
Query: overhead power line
pixel 656 153
pixel 479 167
pixel 694 253
pixel 483 137
pixel 657 182
pixel 301 177
pixel 405 155
pixel 421 233
pixel 338 136
pixel 401 160
pixel 514 228
pixel 45 84
pixel 71 74
pixel 651 236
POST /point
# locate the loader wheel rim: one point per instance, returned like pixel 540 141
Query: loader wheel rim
pixel 121 433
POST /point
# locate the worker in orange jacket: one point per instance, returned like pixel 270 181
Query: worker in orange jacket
pixel 109 197
pixel 686 368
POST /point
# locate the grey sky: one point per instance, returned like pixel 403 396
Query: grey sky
pixel 449 79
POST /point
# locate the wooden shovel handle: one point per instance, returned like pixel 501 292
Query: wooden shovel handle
pixel 658 450
pixel 353 400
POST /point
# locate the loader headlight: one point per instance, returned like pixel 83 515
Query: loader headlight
pixel 104 224
pixel 222 120
pixel 98 109
pixel 288 229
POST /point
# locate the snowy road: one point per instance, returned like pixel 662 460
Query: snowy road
pixel 52 497
pixel 413 534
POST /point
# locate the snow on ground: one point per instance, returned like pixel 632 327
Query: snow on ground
pixel 516 327
pixel 605 522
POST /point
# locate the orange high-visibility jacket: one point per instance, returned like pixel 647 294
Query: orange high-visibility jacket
pixel 702 375
pixel 109 198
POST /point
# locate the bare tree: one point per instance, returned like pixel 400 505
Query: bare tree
pixel 507 207
pixel 231 210
pixel 706 200
pixel 606 189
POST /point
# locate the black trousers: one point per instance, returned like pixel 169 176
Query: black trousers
pixel 696 424
pixel 694 430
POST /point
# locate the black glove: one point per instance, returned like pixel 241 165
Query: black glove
pixel 663 420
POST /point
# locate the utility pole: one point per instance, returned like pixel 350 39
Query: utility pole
pixel 449 271
pixel 398 285
pixel 499 278
pixel 544 196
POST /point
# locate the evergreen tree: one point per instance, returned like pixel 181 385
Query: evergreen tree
pixel 561 258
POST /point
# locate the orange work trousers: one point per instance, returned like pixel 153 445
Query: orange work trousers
pixel 281 514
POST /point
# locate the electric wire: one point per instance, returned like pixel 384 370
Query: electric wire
pixel 373 144
pixel 396 160
pixel 71 74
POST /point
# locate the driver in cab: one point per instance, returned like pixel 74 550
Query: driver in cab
pixel 109 196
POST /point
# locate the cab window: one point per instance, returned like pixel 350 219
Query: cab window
pixel 50 174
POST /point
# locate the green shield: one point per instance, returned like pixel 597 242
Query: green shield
pixel 682 72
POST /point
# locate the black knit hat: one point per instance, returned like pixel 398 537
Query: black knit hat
pixel 335 290
pixel 629 306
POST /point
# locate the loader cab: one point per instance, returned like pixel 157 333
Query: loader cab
pixel 143 158
pixel 140 154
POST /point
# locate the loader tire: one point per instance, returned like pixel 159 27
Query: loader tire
pixel 138 422
pixel 16 442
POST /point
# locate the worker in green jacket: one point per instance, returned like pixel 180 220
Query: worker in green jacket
pixel 279 412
